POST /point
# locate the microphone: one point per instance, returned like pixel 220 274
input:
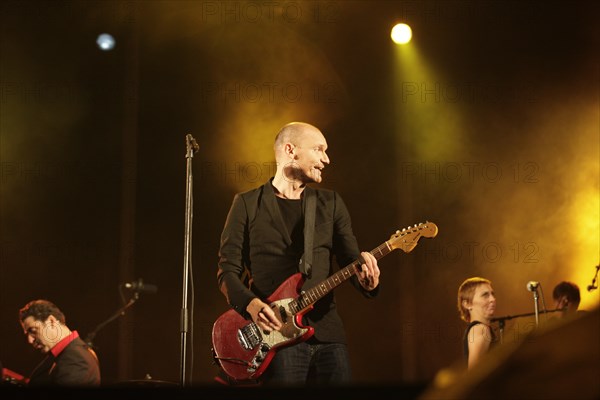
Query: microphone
pixel 192 142
pixel 140 287
pixel 532 285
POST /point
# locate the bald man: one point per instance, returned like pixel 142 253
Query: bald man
pixel 264 235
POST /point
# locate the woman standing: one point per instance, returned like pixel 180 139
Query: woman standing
pixel 476 305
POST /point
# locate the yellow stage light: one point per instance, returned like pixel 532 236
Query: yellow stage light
pixel 401 34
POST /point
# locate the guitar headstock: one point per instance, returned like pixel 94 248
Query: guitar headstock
pixel 407 238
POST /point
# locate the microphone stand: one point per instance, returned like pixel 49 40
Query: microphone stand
pixel 501 329
pixel 191 148
pixel 536 307
pixel 89 339
pixel 593 285
pixel 501 320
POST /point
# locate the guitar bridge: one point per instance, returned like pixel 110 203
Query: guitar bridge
pixel 249 336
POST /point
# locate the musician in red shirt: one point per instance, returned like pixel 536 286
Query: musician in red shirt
pixel 69 360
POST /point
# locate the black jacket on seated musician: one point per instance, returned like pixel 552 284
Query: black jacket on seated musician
pixel 75 365
pixel 258 237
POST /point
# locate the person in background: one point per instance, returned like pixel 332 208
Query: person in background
pixel 476 306
pixel 566 296
pixel 69 360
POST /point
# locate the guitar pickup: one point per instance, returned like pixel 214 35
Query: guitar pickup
pixel 283 314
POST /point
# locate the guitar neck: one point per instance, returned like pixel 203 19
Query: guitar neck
pixel 310 296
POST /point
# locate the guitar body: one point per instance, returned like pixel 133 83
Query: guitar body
pixel 242 350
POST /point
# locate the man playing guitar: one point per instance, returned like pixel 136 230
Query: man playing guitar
pixel 264 236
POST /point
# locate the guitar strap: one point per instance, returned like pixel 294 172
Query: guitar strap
pixel 310 210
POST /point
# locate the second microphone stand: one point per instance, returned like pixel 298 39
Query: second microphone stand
pixel 536 307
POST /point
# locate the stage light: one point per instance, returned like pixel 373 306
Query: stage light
pixel 105 42
pixel 401 34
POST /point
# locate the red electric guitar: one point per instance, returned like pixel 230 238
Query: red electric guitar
pixel 244 352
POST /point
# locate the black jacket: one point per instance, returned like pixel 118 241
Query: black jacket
pixel 255 238
pixel 76 365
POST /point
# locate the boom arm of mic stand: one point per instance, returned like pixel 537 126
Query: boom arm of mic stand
pixel 89 339
pixel 508 317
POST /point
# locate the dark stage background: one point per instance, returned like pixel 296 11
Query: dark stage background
pixel 486 124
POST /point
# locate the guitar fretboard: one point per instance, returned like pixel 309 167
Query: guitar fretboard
pixel 312 295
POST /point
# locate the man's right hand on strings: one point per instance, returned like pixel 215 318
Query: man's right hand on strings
pixel 263 315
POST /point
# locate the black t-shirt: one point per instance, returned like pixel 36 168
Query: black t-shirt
pixel 291 211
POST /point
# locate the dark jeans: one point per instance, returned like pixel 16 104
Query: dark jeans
pixel 309 363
